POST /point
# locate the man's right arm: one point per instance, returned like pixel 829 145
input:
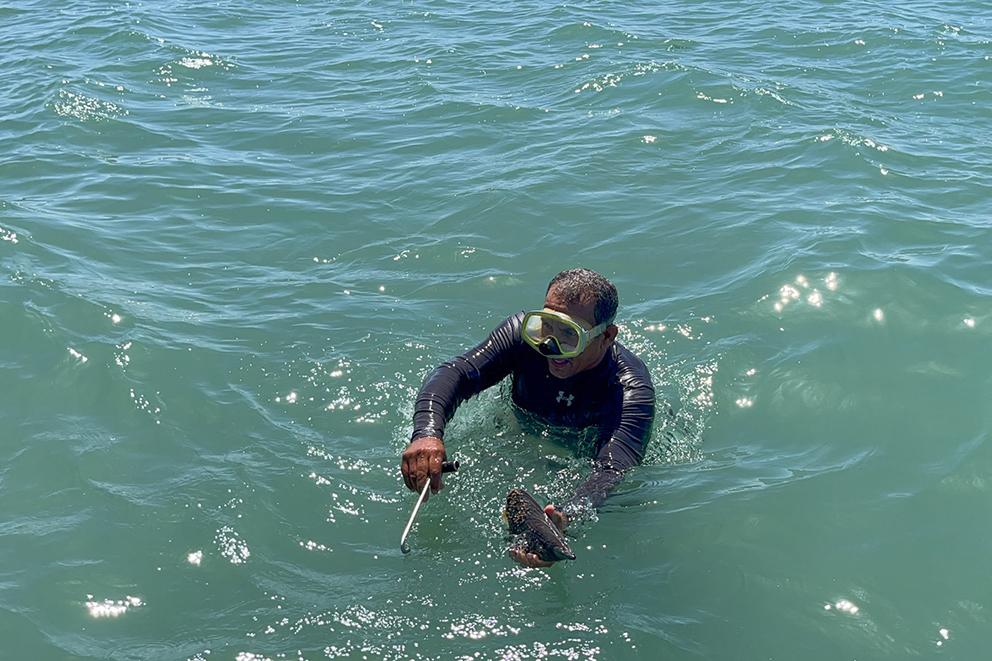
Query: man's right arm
pixel 444 389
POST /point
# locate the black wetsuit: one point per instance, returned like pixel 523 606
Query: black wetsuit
pixel 616 395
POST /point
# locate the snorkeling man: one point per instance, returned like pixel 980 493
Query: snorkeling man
pixel 568 369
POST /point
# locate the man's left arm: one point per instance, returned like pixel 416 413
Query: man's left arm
pixel 625 438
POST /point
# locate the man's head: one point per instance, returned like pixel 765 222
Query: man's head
pixel 590 300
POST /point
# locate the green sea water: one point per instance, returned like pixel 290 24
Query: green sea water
pixel 235 236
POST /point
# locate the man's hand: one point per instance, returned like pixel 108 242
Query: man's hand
pixel 532 559
pixel 422 461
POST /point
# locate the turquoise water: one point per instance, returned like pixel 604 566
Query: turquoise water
pixel 235 236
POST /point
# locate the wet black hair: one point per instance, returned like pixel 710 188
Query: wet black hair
pixel 584 285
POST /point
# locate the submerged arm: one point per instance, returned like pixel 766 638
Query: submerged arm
pixel 625 438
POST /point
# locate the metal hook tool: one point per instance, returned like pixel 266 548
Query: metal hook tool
pixel 446 467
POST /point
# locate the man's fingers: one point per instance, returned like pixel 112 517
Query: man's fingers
pixel 556 517
pixel 423 472
pixel 435 472
pixel 411 472
pixel 535 561
pixel 407 469
pixel 422 461
pixel 528 559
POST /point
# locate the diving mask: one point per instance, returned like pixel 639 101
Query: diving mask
pixel 556 335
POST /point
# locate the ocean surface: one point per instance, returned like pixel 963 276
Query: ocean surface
pixel 235 236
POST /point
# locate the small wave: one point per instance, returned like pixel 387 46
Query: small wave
pixel 615 78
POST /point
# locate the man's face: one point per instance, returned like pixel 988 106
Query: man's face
pixel 584 314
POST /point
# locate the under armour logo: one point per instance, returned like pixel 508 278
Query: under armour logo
pixel 563 398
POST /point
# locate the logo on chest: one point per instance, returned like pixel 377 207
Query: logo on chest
pixel 566 399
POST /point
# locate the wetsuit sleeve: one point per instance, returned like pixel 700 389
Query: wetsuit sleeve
pixel 624 437
pixel 460 378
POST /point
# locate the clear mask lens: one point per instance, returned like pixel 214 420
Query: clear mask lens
pixel 553 334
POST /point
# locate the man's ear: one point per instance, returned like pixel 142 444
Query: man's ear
pixel 610 333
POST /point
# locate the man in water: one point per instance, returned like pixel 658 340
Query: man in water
pixel 568 369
